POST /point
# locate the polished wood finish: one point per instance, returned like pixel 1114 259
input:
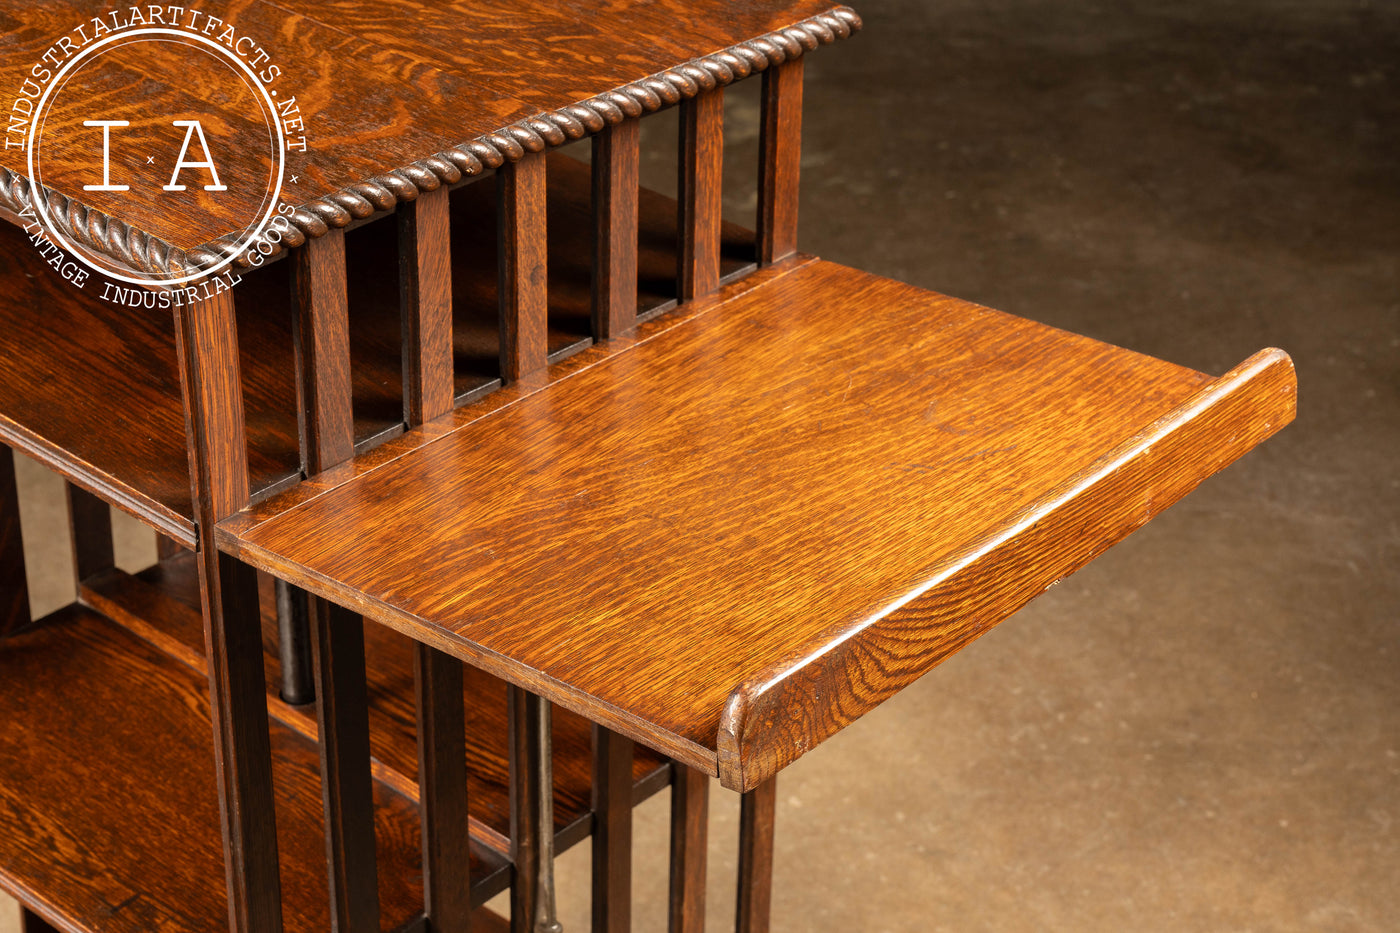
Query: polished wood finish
pixel 111 822
pixel 690 816
pixel 686 642
pixel 442 789
pixel 616 163
pixel 14 585
pixel 779 161
pixel 612 832
pixel 699 183
pixel 522 267
pixel 757 814
pixel 207 348
pixel 526 798
pixel 425 288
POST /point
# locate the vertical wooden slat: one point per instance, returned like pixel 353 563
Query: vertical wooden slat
pixel 324 415
pixel 342 717
pixel 779 156
pixel 690 815
pixel 328 438
pixel 699 187
pixel 612 832
pixel 207 347
pixel 425 304
pixel 616 164
pixel 442 790
pixel 522 266
pixel 90 520
pixel 14 586
pixel 757 810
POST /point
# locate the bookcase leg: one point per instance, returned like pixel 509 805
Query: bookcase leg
pixel 442 790
pixel 612 832
pixel 690 816
pixel 757 810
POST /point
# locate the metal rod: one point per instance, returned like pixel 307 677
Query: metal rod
pixel 294 645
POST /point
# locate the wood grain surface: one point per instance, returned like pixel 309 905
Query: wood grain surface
pixel 112 823
pixel 760 488
pixel 469 90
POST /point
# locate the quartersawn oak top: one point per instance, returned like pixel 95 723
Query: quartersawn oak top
pixel 734 538
pixel 393 96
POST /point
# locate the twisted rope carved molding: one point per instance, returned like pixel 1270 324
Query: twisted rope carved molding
pixel 140 251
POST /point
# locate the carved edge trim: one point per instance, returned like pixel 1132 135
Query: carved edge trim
pixel 136 249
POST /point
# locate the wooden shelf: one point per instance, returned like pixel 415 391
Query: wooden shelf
pixel 162 605
pixel 109 818
pixel 738 535
pixel 69 359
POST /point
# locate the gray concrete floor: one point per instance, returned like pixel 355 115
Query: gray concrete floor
pixel 1201 731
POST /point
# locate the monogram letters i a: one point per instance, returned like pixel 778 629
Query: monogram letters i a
pixel 192 129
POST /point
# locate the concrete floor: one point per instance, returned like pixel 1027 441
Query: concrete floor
pixel 1201 731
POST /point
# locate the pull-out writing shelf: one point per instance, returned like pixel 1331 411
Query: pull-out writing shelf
pixel 736 534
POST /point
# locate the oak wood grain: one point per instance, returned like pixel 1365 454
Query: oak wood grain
pixel 443 790
pixel 325 417
pixel 425 290
pixel 870 456
pixel 522 264
pixel 616 163
pixel 612 832
pixel 758 810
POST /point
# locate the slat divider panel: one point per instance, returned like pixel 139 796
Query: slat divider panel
pixel 325 417
pixel 442 790
pixel 521 271
pixel 612 831
pixel 699 187
pixel 757 811
pixel 14 586
pixel 425 301
pixel 616 193
pixel 210 377
pixel 779 157
pixel 690 815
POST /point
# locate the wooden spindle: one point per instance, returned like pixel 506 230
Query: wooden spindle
pixel 425 304
pixel 690 815
pixel 522 266
pixel 90 520
pixel 757 810
pixel 207 348
pixel 616 167
pixel 327 428
pixel 612 832
pixel 779 158
pixel 699 187
pixel 14 586
pixel 442 790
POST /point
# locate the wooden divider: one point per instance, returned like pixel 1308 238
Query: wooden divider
pixel 616 164
pixel 327 428
pixel 522 264
pixel 779 158
pixel 690 816
pixel 207 348
pixel 699 186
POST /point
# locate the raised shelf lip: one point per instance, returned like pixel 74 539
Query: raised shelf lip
pixel 144 252
pixel 1216 423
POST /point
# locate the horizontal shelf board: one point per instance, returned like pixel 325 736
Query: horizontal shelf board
pixel 161 604
pixel 109 816
pixel 681 525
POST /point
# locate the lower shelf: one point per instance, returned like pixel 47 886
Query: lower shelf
pixel 161 604
pixel 109 817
